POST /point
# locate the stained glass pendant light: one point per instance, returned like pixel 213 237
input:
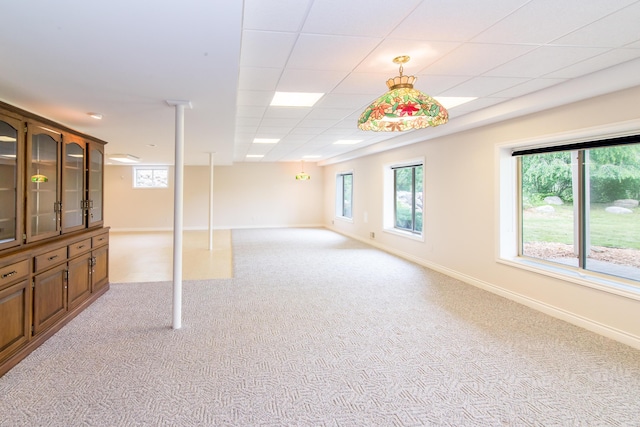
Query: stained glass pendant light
pixel 39 178
pixel 402 107
pixel 302 176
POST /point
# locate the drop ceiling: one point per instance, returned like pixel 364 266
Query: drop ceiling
pixel 65 59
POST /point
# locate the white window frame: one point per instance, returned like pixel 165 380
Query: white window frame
pixel 339 208
pixel 507 206
pixel 388 214
pixel 152 168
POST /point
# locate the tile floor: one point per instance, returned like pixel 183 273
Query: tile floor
pixel 148 256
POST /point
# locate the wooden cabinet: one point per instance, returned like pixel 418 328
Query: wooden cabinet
pixel 54 250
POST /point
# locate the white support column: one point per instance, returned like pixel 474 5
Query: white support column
pixel 178 211
pixel 211 155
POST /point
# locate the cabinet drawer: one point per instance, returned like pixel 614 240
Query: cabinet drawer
pixel 79 247
pixel 99 240
pixel 51 258
pixel 14 272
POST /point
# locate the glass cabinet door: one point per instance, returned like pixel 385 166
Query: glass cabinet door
pixel 43 202
pixel 73 185
pixel 96 161
pixel 10 182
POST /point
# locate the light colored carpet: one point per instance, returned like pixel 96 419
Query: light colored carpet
pixel 316 329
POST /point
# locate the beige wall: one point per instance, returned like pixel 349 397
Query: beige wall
pixel 245 195
pixel 461 214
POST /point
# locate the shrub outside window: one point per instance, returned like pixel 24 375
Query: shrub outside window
pixel 150 177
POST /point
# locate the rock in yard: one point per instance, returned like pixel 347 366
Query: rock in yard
pixel 626 203
pixel 553 200
pixel 618 210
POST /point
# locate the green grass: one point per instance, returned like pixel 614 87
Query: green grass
pixel 608 230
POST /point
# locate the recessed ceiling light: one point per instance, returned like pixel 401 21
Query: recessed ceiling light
pixel 453 101
pixel 254 156
pixel 124 158
pixel 295 99
pixel 265 140
pixel 96 116
pixel 311 157
pixel 347 141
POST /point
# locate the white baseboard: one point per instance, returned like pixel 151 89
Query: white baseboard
pixel 567 316
pixel 244 227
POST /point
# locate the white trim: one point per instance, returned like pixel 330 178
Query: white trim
pixel 573 318
pixel 204 228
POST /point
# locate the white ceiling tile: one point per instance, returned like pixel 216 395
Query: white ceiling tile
pixel 436 85
pixel 527 87
pixel 314 81
pixel 341 100
pixel 364 83
pixel 255 98
pixel 281 123
pixel 484 86
pixel 542 21
pixel 247 121
pixel 472 106
pixel 324 52
pixel 286 112
pixel 453 20
pixel 476 58
pixel 374 18
pixel 243 111
pixel 625 22
pixel 266 49
pixel 544 60
pixel 422 54
pixel 276 15
pixel 296 139
pixel 600 62
pixel 317 123
pixel 266 131
pixel 330 113
pixel 252 78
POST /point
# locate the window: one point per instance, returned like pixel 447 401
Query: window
pixel 578 205
pixel 344 195
pixel 407 197
pixel 150 177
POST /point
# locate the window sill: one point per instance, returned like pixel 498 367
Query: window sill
pixel 412 236
pixel 621 287
pixel 344 219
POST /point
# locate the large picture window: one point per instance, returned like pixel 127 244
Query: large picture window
pixel 579 205
pixel 344 195
pixel 407 195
